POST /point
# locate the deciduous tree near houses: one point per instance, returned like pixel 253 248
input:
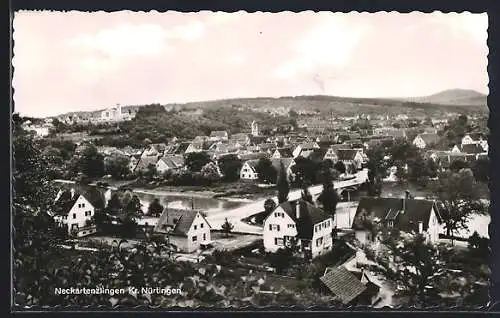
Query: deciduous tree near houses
pixel 227 227
pixel 457 199
pixel 282 184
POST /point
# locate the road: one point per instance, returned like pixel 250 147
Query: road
pixel 234 216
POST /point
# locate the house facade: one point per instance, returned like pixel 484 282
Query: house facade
pixel 188 230
pixel 404 214
pixel 75 215
pixel 170 163
pixel 248 170
pixel 423 141
pixel 299 223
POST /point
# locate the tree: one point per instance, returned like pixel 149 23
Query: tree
pixel 227 227
pixel 114 204
pixel 281 259
pixel 150 172
pixel 415 267
pixel 340 167
pixel 329 197
pixel 265 170
pixel 210 172
pixel 457 165
pixel 196 160
pixel 90 162
pixel 282 184
pixel 458 199
pixel 134 206
pixel 480 168
pixel 374 184
pixel 269 206
pixel 155 208
pixel 117 166
pixel 230 166
pixel 306 195
pixel 305 170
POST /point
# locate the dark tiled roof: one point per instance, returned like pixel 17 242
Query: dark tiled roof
pixel 346 154
pixel 309 216
pixel 343 284
pixel 407 220
pixel 173 161
pixel 285 151
pixel 219 133
pixel 429 138
pixel 471 149
pixel 144 162
pixel 253 156
pixel 179 221
pixel 181 148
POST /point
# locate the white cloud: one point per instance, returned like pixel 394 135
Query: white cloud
pixel 137 40
pixel 328 44
pixel 125 40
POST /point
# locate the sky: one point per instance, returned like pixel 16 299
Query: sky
pixel 78 61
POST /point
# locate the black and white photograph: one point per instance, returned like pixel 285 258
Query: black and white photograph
pixel 249 160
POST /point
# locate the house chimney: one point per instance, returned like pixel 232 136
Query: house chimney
pixel 297 209
pixel 420 227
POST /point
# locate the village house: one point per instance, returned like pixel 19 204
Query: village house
pixel 219 135
pixel 145 162
pixel 154 150
pixel 249 169
pixel 308 146
pixel 241 138
pixel 405 214
pixel 351 287
pixel 468 148
pixel 188 230
pixel 194 147
pixel 350 157
pixel 284 152
pixel 300 223
pixel 423 141
pixel 170 163
pixel 76 215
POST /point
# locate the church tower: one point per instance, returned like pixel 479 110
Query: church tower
pixel 255 128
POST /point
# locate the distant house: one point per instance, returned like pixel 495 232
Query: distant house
pixel 133 161
pixel 471 148
pixel 188 230
pixel 308 146
pixel 285 152
pixel 249 171
pixel 405 214
pixel 350 157
pixel 170 163
pixel 241 138
pixel 181 148
pixel 352 288
pixel 467 140
pixel 194 147
pixel 145 162
pixel 423 141
pixel 331 154
pixel 76 215
pixel 201 139
pixel 219 135
pixel 154 150
pixel 301 222
pixel 252 155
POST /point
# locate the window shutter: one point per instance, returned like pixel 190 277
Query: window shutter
pixel 270 227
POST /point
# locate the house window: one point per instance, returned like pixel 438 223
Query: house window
pixel 278 241
pixel 204 236
pixel 195 238
pixel 74 215
pixel 319 241
pixel 270 227
pixel 195 227
pixel 201 225
pixel 291 226
pixel 390 224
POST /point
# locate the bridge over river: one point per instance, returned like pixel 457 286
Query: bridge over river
pixel 235 216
